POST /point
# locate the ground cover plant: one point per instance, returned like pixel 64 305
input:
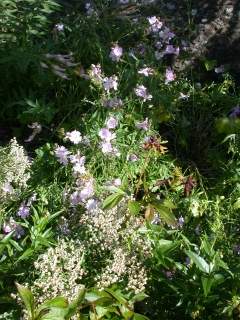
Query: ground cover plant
pixel 119 176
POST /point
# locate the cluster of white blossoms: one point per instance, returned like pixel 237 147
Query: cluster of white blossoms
pixel 14 171
pixel 60 271
pixel 123 267
pixel 115 233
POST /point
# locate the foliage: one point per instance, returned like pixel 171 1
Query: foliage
pixel 119 177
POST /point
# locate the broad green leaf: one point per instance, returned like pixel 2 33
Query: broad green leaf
pixel 199 261
pixel 165 245
pixel 55 314
pixel 139 297
pixel 112 200
pixel 117 295
pixel 75 304
pixel 207 283
pixel 126 312
pixel 138 316
pixel 101 311
pixel 134 207
pixel 28 299
pixel 165 213
pixel 58 302
pixel 210 64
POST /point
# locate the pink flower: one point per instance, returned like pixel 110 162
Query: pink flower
pixel 95 72
pixel 159 55
pixel 62 154
pixel 144 125
pixel 166 35
pixel 155 24
pixel 219 69
pixel 170 49
pixel 106 135
pixel 110 83
pixel 7 188
pixel 146 71
pixel 112 123
pixel 113 103
pixel 141 92
pixel 87 192
pixel 169 76
pixel 117 182
pixel 74 136
pixel 91 205
pixel 106 147
pixel 116 53
pixel 132 158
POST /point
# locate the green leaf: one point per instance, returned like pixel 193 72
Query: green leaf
pixel 210 64
pixel 58 302
pixel 134 207
pixel 75 304
pixel 28 299
pixel 138 316
pixel 139 297
pixel 117 295
pixel 165 213
pixel 199 261
pixel 112 200
pixel 101 311
pixel 207 283
pixel 126 312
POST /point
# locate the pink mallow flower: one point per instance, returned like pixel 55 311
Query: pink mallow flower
pixel 112 123
pixel 146 71
pixel 155 24
pixel 74 136
pixel 106 135
pixel 106 147
pixel 62 154
pixel 144 125
pixel 170 49
pixel 169 76
pixel 110 83
pixel 141 92
pixel 116 53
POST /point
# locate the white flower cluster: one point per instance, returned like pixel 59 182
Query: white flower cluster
pixel 60 271
pixel 115 232
pixel 14 168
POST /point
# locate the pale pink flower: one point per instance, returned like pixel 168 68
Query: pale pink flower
pixel 91 205
pixel 7 188
pixel 170 49
pixel 116 53
pixel 106 135
pixel 59 27
pixel 110 83
pixel 37 128
pixel 146 71
pixel 155 24
pixel 166 35
pixel 87 192
pixel 117 182
pixel 132 158
pixel 144 125
pixel 219 69
pixel 95 72
pixel 141 92
pixel 62 154
pixel 169 76
pixel 74 136
pixel 113 103
pixel 159 55
pixel 112 123
pixel 106 147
